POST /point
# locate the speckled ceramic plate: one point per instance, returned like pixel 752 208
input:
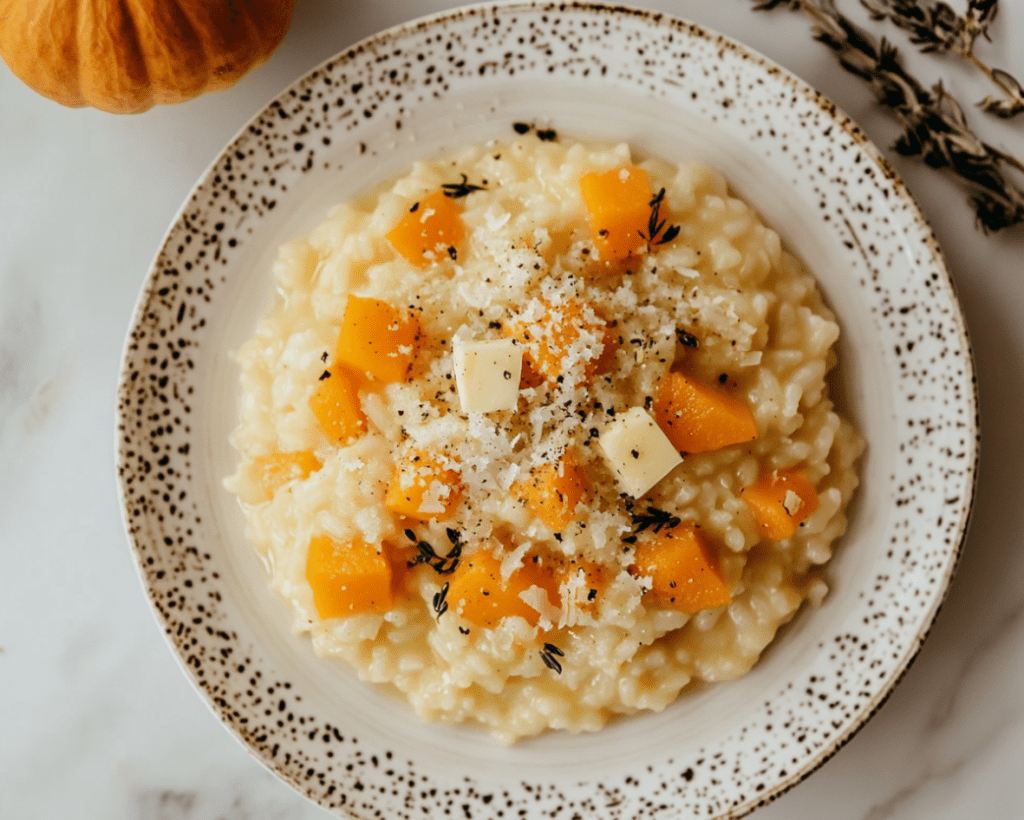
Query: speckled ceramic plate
pixel 672 89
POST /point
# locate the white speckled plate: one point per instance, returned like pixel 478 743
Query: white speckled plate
pixel 669 88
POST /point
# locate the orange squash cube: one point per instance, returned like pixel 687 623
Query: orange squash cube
pixel 378 338
pixel 780 501
pixel 335 403
pixel 618 202
pixel 348 578
pixel 274 470
pixel 477 592
pixel 700 418
pixel 529 377
pixel 430 231
pixel 595 579
pixel 552 491
pixel 423 489
pixel 548 343
pixel 683 575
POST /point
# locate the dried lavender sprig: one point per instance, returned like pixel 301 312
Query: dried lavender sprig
pixel 935 128
pixel 936 27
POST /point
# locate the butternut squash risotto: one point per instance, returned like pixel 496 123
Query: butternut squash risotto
pixel 540 434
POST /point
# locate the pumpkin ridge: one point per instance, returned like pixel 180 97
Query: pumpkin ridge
pixel 72 43
pixel 221 73
pixel 172 50
pixel 270 34
pixel 112 70
pixel 52 73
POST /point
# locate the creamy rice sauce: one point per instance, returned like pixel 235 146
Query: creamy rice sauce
pixel 721 298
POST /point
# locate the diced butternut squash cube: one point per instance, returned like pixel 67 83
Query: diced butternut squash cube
pixel 780 501
pixel 682 573
pixel 335 403
pixel 274 470
pixel 618 202
pixel 591 577
pixel 423 488
pixel 431 230
pixel 554 343
pixel 543 571
pixel 379 338
pixel 700 418
pixel 552 491
pixel 529 377
pixel 348 578
pixel 478 594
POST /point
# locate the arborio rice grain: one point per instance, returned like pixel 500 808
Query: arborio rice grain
pixel 722 299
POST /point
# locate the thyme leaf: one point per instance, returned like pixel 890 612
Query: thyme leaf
pixel 935 129
pixel 936 27
pixel 653 519
pixel 457 190
pixel 426 554
pixel 655 225
pixel 1004 107
pixel 440 603
pixel 549 654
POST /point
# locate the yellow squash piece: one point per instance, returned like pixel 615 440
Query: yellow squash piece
pixel 683 575
pixel 335 403
pixel 595 578
pixel 378 338
pixel 423 489
pixel 348 577
pixel 477 593
pixel 780 501
pixel 430 231
pixel 550 344
pixel 700 418
pixel 618 202
pixel 274 470
pixel 552 491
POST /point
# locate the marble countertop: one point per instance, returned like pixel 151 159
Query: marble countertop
pixel 96 718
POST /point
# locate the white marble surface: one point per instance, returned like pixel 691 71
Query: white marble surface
pixel 97 720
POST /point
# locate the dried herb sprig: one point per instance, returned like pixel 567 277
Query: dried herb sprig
pixel 440 601
pixel 936 27
pixel 653 519
pixel 457 190
pixel 550 654
pixel 426 554
pixel 935 129
pixel 655 224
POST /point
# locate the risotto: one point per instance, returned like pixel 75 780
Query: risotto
pixel 539 434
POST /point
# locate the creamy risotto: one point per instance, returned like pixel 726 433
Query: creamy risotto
pixel 539 434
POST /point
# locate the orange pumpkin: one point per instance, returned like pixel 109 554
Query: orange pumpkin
pixel 124 56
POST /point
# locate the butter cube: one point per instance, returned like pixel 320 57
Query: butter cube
pixel 638 451
pixel 487 374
